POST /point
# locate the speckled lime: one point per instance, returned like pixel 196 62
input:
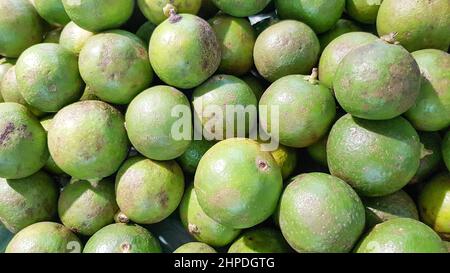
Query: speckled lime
pixel 149 123
pixel 87 140
pixel 191 157
pixel 375 157
pixel 341 27
pixel 45 237
pixel 401 235
pixel 115 65
pixel 419 24
pixel 431 112
pixel 260 240
pixel 20 27
pixel 27 201
pixel 306 110
pixel 364 11
pixel 240 8
pixel 52 11
pixel 74 37
pixel 23 142
pixel 202 227
pixel 48 77
pixel 154 10
pixel 108 14
pixel 431 157
pixel 184 51
pixel 237 184
pixel 149 191
pixel 195 247
pixel 277 53
pixel 321 213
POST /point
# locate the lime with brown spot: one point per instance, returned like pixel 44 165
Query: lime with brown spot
pixel 195 247
pixel 260 240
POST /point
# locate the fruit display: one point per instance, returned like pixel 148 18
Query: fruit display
pixel 224 126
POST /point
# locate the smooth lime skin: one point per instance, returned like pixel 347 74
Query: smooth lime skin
pixel 277 53
pixel 222 91
pixel 20 27
pixel 87 140
pixel 50 166
pixel 434 204
pixel 312 105
pixel 52 11
pixel 44 237
pixel 5 65
pixel 108 14
pixel 321 15
pixel 23 142
pixel 318 151
pixel 377 81
pixel 122 238
pixel 396 205
pixel 364 11
pixel 191 157
pixel 432 158
pixel 401 235
pixel 86 207
pixel 240 8
pixel 202 227
pixel 153 10
pixel 237 40
pixel 149 123
pixel 48 77
pixel 376 158
pixel 431 112
pixel 286 158
pixel 419 24
pixel 260 240
pixel 145 31
pixel 237 184
pixel 446 149
pixel 336 50
pixel 184 51
pixel 195 247
pixel 74 37
pixel 148 191
pixel 115 65
pixel 27 201
pixel 321 213
pixel 341 27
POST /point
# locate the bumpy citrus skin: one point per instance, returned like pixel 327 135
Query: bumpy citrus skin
pixel 321 15
pixel 88 140
pixel 431 159
pixel 122 238
pixel 321 213
pixel 52 11
pixel 364 11
pixel 237 184
pixel 86 207
pixel 396 205
pixel 434 204
pixel 115 65
pixel 145 31
pixel 23 142
pixel 149 191
pixel 108 14
pixel 401 235
pixel 446 149
pixel 191 157
pixel 27 201
pixel 50 166
pixel 202 227
pixel 375 157
pixel 342 26
pixel 149 124
pixel 74 37
pixel 277 53
pixel 184 51
pixel 377 81
pixel 431 112
pixel 419 24
pixel 237 39
pixel 241 8
pixel 153 10
pixel 195 247
pixel 336 50
pixel 20 27
pixel 312 105
pixel 48 77
pixel 261 240
pixel 44 237
pixel 219 92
